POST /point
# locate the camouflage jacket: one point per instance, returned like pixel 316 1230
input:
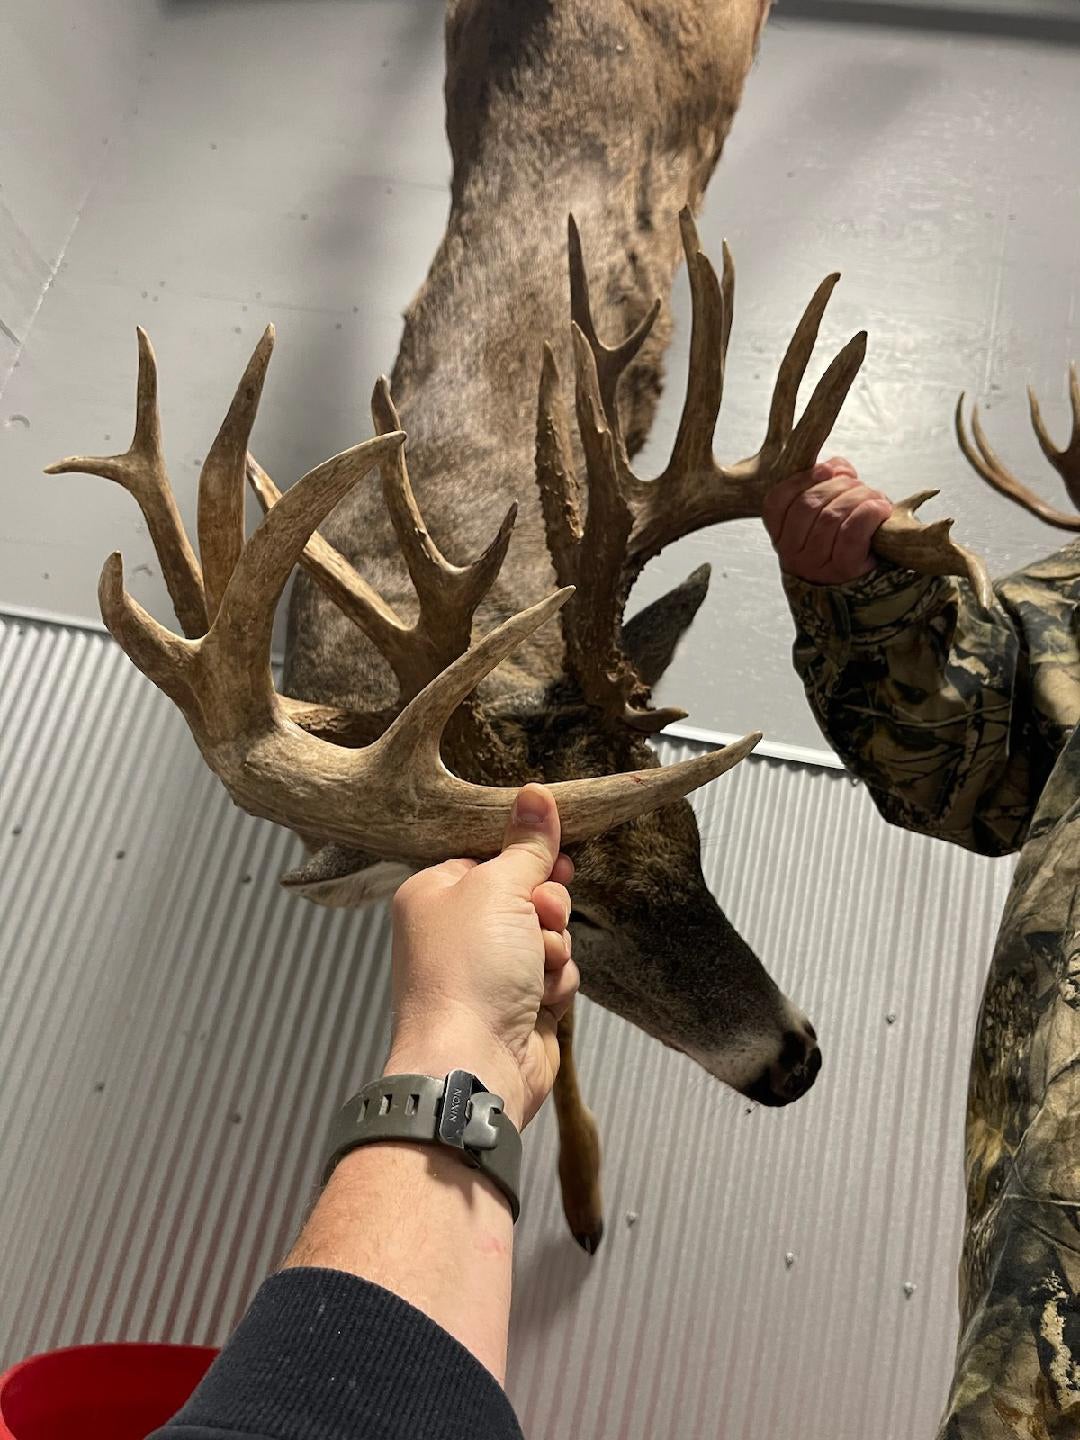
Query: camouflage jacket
pixel 962 722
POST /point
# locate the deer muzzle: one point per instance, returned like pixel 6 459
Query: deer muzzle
pixel 791 1074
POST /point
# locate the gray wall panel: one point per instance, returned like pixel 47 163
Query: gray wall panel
pixel 68 74
pixel 174 1032
pixel 285 161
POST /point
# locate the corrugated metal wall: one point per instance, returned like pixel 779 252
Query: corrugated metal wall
pixel 174 1032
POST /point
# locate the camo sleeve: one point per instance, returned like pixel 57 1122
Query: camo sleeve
pixel 953 715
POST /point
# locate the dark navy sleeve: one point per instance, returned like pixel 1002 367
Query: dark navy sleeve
pixel 321 1355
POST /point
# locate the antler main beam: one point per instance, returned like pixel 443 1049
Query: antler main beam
pixel 695 489
pixel 279 758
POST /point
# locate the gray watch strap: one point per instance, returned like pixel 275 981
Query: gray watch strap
pixel 455 1111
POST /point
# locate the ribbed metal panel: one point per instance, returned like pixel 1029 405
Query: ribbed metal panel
pixel 174 1032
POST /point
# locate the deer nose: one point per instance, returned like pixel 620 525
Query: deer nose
pixel 793 1071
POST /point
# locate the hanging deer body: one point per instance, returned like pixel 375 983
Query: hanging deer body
pixel 431 666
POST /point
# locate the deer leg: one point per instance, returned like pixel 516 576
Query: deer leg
pixel 579 1148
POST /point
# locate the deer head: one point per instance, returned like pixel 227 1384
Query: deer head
pixel 375 792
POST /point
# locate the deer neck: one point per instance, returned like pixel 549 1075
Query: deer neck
pixel 552 109
pixel 469 363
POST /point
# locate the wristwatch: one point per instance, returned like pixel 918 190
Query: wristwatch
pixel 455 1111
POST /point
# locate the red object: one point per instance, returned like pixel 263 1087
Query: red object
pixel 99 1392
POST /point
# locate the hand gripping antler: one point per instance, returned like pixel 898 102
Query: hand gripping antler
pixel 639 518
pixel 1065 461
pixel 394 797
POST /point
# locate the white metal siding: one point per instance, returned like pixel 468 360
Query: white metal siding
pixel 174 1032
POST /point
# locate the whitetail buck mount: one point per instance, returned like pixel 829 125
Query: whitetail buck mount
pixel 614 111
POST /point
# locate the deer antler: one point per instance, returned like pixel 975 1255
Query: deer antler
pixel 638 518
pixel 448 594
pixel 1065 461
pixel 394 797
pixel 141 471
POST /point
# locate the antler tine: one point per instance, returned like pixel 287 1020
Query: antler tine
pixel 162 656
pixel 930 549
pixel 611 360
pixel 710 330
pixel 141 471
pixel 240 636
pixel 448 594
pixel 817 420
pixel 348 589
pixel 1067 460
pixel 985 462
pixel 587 807
pixel 221 480
pixel 793 368
pixel 413 741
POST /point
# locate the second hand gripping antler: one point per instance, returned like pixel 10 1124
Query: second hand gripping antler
pixel 635 519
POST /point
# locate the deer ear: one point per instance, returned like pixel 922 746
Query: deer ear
pixel 345 879
pixel 650 638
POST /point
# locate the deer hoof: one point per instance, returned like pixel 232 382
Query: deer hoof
pixel 589 1240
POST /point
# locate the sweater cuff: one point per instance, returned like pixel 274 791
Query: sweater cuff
pixel 867 611
pixel 321 1355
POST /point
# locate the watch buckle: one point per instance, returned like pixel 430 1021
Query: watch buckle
pixel 465 1117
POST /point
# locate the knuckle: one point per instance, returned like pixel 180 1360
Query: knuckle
pixel 401 907
pixel 869 514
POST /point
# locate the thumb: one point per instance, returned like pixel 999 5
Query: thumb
pixel 531 842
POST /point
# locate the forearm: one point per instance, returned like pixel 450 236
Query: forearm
pixel 923 695
pixel 417 1220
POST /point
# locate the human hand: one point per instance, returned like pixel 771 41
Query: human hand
pixel 821 522
pixel 481 962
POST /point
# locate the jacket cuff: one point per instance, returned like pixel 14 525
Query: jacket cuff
pixel 321 1355
pixel 867 611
